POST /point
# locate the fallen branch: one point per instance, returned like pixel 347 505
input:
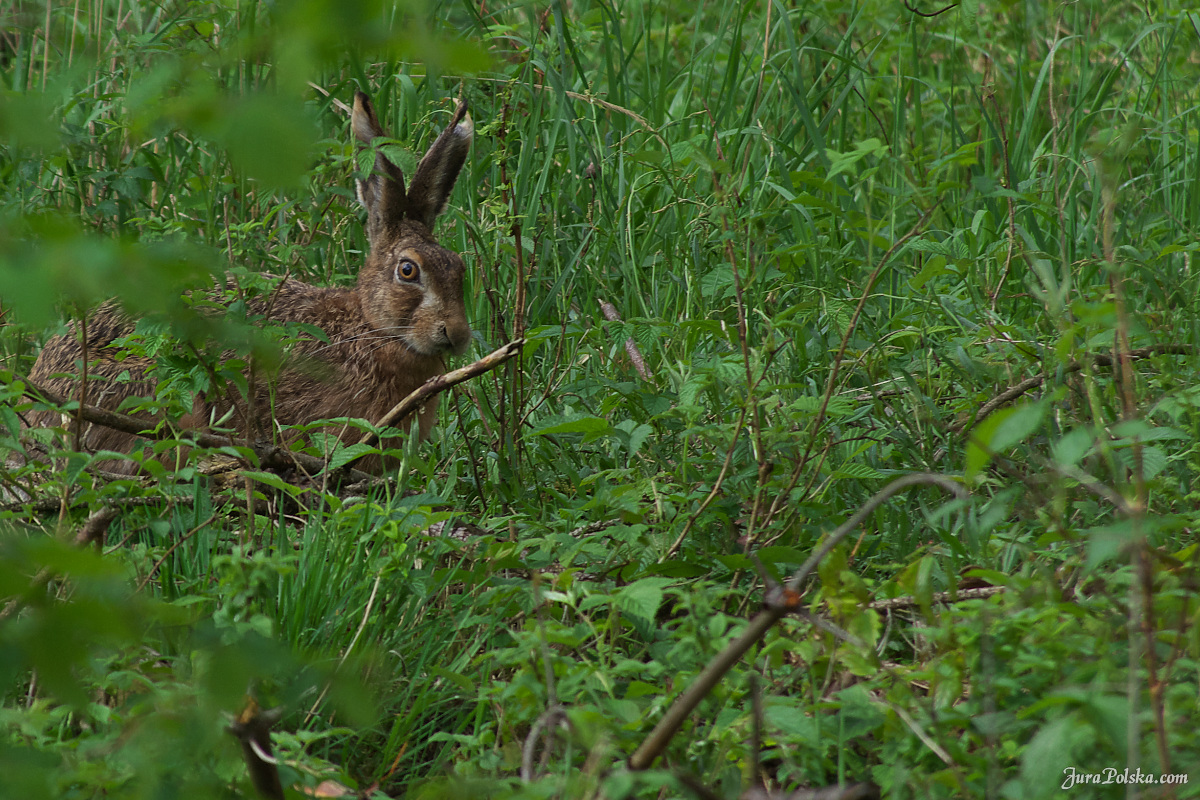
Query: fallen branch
pixel 779 602
pixel 849 791
pixel 268 455
pixel 908 601
pixel 1099 359
pixel 51 505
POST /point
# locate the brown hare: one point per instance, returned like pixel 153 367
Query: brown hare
pixel 386 336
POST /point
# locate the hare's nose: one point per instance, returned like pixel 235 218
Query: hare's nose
pixel 455 337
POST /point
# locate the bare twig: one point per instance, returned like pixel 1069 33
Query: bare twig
pixel 268 454
pixel 779 603
pixel 96 527
pixel 819 419
pixel 142 584
pixel 440 383
pixel 1099 359
pixel 851 791
pixel 907 601
pixel 737 429
pixel 920 13
pixel 550 719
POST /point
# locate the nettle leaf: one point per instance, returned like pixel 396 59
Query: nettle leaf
pixel 272 480
pixel 1129 430
pixel 783 715
pixel 811 404
pixel 635 434
pixel 642 598
pixel 1055 749
pixel 1153 460
pixel 1000 431
pixel 1071 448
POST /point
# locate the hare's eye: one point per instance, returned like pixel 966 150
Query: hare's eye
pixel 407 271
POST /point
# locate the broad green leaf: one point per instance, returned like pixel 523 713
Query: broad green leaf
pixel 272 480
pixel 857 471
pixel 1052 755
pixel 1071 448
pixel 591 427
pixel 1001 431
pixel 270 138
pixel 642 598
pixel 347 454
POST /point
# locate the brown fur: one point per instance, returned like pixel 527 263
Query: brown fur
pixel 387 335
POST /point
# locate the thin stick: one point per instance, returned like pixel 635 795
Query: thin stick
pixel 779 603
pixel 147 429
pixel 440 383
pixel 801 463
pixel 1098 360
pixel 142 584
pixel 252 728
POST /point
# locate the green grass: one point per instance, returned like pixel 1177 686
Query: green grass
pixel 833 232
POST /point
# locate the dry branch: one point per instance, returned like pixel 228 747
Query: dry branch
pixel 851 791
pixel 1099 360
pixel 269 455
pixel 440 383
pixel 780 601
pixel 908 601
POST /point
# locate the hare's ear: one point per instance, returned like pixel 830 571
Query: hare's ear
pixel 381 193
pixel 431 183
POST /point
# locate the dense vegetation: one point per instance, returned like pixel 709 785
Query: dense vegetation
pixel 843 243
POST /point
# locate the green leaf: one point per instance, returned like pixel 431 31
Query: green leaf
pixel 270 138
pixel 642 598
pixel 856 471
pixel 1070 449
pixel 345 455
pixel 1001 431
pixel 638 437
pixel 783 716
pixel 1104 543
pixel 1054 749
pixel 591 427
pixel 272 480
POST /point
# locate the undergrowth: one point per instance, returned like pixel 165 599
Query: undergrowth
pixel 842 244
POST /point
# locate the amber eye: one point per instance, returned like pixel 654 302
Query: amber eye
pixel 407 271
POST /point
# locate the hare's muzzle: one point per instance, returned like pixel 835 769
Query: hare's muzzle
pixel 455 336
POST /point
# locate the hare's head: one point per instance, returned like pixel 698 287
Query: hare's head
pixel 411 287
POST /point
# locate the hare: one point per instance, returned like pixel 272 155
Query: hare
pixel 386 336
